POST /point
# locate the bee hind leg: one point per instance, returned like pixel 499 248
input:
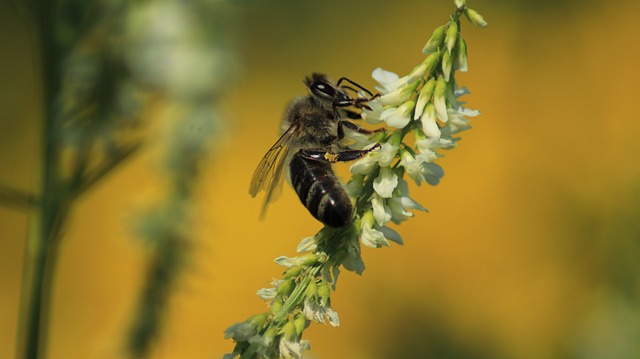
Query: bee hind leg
pixel 333 157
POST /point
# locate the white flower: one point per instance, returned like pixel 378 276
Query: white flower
pixel 386 154
pixel 388 80
pixel 386 182
pixel 398 210
pixel 358 141
pixel 292 349
pixel 458 92
pixel 429 124
pixel 399 95
pixel 427 146
pixel 315 311
pixel 401 201
pixel 398 117
pixel 240 331
pixel 457 121
pixel 372 238
pixel 267 293
pixel 381 212
pixel 261 342
pixel 420 168
pixel 365 165
pixel 413 165
pixel 382 157
pixel 375 236
pixel 307 244
pixel 373 116
pixel 455 114
pixel 298 261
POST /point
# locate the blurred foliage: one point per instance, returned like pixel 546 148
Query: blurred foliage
pixel 106 65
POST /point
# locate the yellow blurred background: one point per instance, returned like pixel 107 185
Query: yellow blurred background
pixel 531 246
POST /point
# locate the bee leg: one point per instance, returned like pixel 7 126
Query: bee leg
pixel 352 126
pixel 333 157
pixel 353 114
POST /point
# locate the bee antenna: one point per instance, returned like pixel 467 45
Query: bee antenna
pixel 354 84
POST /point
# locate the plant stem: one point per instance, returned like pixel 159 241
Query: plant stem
pixel 43 241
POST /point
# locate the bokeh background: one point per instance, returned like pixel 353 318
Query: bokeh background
pixel 530 250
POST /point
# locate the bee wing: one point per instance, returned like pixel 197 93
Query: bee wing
pixel 269 173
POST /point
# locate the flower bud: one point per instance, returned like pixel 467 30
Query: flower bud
pixel 275 306
pixel 288 331
pixel 270 334
pixel 446 66
pixel 417 73
pixel 308 259
pixel 475 17
pixel 439 99
pixel 435 40
pixel 285 287
pixel 323 293
pixel 423 97
pixel 452 36
pixel 258 320
pixel 292 272
pixel 460 60
pixel 300 323
pixel 312 290
pixel 460 3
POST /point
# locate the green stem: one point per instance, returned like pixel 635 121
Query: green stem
pixel 42 245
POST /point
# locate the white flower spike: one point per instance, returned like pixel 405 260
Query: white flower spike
pixel 378 190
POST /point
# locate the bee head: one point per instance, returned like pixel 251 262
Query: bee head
pixel 324 90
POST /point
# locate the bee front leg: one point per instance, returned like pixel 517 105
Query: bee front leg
pixel 352 126
pixel 333 157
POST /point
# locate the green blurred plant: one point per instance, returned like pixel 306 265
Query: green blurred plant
pixel 424 104
pixel 107 65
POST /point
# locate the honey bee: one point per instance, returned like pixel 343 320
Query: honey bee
pixel 313 128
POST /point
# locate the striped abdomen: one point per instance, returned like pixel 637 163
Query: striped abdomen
pixel 320 191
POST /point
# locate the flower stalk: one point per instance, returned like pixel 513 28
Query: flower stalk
pixel 424 114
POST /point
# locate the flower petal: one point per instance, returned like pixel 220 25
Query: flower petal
pixel 391 235
pixel 381 213
pixel 386 182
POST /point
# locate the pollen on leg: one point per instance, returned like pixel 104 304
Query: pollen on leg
pixel 331 157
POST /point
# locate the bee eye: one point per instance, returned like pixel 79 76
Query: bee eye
pixel 322 89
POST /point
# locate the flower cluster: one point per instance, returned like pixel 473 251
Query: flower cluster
pixel 424 113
